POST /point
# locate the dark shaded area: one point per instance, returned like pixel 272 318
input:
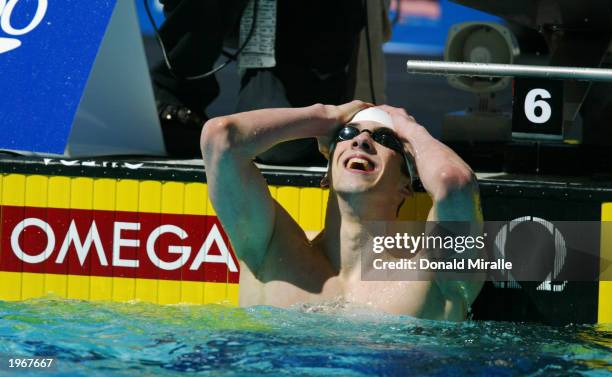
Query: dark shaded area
pixel 427 98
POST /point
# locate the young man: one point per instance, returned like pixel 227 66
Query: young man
pixel 280 266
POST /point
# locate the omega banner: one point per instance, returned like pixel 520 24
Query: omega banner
pixel 116 244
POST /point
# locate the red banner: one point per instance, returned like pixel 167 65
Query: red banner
pixel 114 243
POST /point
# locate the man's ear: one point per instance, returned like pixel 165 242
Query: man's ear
pixel 406 190
pixel 325 181
pixel 324 146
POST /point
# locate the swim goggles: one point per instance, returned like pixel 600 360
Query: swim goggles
pixel 383 136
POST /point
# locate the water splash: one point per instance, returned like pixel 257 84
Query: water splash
pixel 330 338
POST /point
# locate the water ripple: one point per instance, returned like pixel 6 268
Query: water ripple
pixel 107 339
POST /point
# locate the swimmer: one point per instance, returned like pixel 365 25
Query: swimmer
pixel 368 149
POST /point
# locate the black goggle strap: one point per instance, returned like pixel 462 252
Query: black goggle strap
pixel 412 171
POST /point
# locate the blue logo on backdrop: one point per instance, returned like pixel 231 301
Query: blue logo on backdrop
pixel 6 11
pixel 47 50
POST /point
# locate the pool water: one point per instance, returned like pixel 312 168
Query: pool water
pixel 107 339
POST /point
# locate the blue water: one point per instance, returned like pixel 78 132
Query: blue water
pixel 112 339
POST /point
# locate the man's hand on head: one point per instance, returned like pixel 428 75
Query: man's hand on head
pixel 439 168
pixel 347 111
pixel 342 114
pixel 402 122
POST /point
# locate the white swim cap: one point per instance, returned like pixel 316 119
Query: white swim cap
pixel 374 114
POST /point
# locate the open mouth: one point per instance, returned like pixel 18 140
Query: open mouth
pixel 359 164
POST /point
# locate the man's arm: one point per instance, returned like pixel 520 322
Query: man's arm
pixel 444 175
pixel 456 198
pixel 236 187
pixel 452 186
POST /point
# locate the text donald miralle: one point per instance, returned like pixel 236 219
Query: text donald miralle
pixel 452 244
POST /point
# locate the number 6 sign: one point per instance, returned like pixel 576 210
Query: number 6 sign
pixel 532 104
pixel 538 109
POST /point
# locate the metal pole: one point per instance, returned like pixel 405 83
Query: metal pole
pixel 508 70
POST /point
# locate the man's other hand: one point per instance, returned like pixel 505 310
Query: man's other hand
pixel 342 115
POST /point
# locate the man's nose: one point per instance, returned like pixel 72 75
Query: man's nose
pixel 363 141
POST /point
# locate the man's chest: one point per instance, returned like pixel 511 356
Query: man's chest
pixel 406 298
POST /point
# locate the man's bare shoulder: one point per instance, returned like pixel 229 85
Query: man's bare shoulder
pixel 293 256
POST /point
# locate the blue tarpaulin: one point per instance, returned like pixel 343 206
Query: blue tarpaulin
pixel 42 79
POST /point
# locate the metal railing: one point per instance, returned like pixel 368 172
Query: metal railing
pixel 508 70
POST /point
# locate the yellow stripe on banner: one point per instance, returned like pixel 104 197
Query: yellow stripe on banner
pixel 150 200
pixel 13 194
pixel 147 290
pixel 232 294
pixel 100 288
pixel 81 193
pixel 36 191
pixel 10 286
pixel 81 198
pixel 56 284
pixel 196 198
pixel 1 221
pixel 192 292
pixel 32 285
pixel 173 195
pixel 273 190
pixel 216 293
pixel 127 199
pixel 59 192
pixel 150 197
pixel 310 209
pixel 213 292
pixel 169 292
pixel 604 308
pixel 104 194
pixel 78 287
pixel 13 190
pixel 2 283
pixel 58 189
pixel 195 202
pixel 124 289
pixel 289 198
